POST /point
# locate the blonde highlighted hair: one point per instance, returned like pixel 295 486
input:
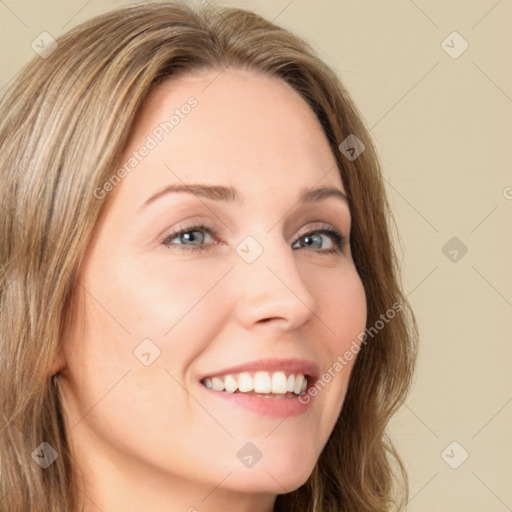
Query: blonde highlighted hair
pixel 64 123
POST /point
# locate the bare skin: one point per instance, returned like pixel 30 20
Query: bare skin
pixel 150 437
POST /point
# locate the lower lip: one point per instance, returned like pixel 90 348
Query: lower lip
pixel 278 407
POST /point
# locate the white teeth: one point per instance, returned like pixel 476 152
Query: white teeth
pixel 278 383
pixel 217 384
pixel 262 382
pixel 230 384
pixel 290 383
pixel 245 383
pixel 298 383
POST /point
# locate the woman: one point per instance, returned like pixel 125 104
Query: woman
pixel 200 304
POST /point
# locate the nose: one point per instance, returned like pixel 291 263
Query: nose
pixel 272 291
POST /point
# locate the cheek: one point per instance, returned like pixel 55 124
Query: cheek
pixel 130 351
pixel 141 319
pixel 144 321
pixel 149 298
pixel 342 307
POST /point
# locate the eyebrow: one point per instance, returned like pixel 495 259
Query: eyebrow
pixel 230 194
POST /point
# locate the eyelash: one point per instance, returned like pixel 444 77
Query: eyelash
pixel 338 239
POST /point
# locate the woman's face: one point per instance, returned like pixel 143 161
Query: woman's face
pixel 264 282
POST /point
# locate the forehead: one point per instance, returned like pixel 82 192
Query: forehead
pixel 245 130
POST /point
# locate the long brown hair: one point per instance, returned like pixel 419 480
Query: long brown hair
pixel 63 126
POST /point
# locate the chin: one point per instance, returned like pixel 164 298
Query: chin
pixel 271 479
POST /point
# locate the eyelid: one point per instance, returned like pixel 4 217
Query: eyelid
pixel 339 239
pixel 198 225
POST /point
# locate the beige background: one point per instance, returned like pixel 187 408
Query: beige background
pixel 443 129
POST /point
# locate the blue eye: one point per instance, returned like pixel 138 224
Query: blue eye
pixel 314 239
pixel 192 238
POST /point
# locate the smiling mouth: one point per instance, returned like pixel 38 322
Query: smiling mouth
pixel 261 384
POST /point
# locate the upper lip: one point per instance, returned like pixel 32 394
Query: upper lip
pixel 307 368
